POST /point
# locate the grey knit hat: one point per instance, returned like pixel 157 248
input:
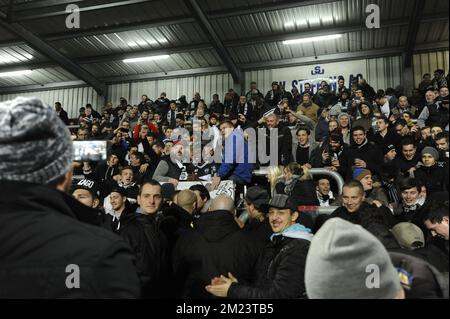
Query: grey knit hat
pixel 342 263
pixel 432 151
pixel 35 145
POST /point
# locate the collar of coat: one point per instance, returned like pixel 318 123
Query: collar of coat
pixel 43 198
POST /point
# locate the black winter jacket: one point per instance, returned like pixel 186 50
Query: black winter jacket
pixel 280 272
pixel 42 232
pixel 215 247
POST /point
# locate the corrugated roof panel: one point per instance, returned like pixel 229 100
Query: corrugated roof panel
pixel 433 32
pixel 111 16
pixel 436 6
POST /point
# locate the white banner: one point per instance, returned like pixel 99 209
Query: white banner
pixel 315 73
pixel 225 187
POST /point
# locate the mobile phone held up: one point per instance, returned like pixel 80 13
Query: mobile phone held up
pixel 90 150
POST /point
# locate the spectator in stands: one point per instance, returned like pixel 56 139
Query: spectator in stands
pixel 85 191
pixel 368 91
pixel 274 96
pixel 37 186
pixel 366 118
pixel 441 140
pixel 296 98
pixel 145 104
pixel 385 136
pixel 341 89
pixel 271 120
pixel 203 197
pixel 297 183
pixel 383 104
pixel 436 221
pixel 171 166
pixel 431 173
pixel 334 155
pixel 355 209
pixel 342 104
pixel 425 84
pixel 304 150
pixel 61 113
pixel 324 97
pixel 172 114
pixel 362 153
pixel 412 207
pixel 308 108
pixel 216 107
pixel 402 107
pixel 281 267
pixel 163 104
pixel 439 80
pixel 341 253
pixel 82 134
pixel 408 156
pixel 254 92
pixel 244 111
pixel 374 193
pixel 324 193
pixel 344 122
pixel 235 164
pixel 140 232
pixel 390 153
pixel 216 246
pixel 258 225
pixel 434 114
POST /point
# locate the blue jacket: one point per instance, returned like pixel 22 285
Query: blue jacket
pixel 240 165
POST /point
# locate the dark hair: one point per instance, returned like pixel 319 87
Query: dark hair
pixel 409 182
pixel 436 212
pixel 408 141
pixel 354 184
pixel 441 135
pixel 358 128
pixel 89 106
pixel 426 74
pixel 384 118
pixel 151 182
pixel 401 122
pixel 124 168
pixel 202 190
pixel 303 128
pixel 58 103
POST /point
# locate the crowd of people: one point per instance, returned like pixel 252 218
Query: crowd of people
pixel 134 231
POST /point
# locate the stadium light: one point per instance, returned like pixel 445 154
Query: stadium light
pixel 15 73
pixel 313 39
pixel 146 58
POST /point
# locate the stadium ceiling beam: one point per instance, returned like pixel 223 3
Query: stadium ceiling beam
pixel 275 6
pixel 347 56
pixel 29 17
pixel 220 69
pixel 215 40
pixel 413 30
pixel 284 62
pixel 40 87
pixel 24 6
pixel 53 54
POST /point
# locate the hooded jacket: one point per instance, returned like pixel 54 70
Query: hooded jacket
pixel 44 231
pixel 280 269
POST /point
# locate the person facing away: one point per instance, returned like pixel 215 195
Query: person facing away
pixel 44 237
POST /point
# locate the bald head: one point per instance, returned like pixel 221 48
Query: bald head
pixel 222 202
pixel 187 200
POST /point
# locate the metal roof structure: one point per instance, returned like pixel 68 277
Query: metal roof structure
pixel 201 37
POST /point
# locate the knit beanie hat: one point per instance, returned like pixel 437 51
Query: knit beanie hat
pixel 432 151
pixel 345 261
pixel 35 145
pixel 360 173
